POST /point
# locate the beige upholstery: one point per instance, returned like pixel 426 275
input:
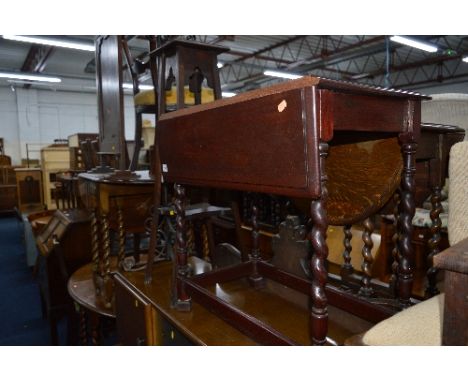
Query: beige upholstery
pixel 458 193
pixel 420 325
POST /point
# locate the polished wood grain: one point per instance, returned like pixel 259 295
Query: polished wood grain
pixel 202 327
pixel 199 325
pixel 313 114
pixel 362 177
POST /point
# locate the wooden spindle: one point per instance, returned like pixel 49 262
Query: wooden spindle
pixel 182 300
pixel 245 206
pixel 277 212
pixel 318 236
pixel 405 225
pixel 393 284
pixel 190 239
pixel 83 326
pixel 434 241
pixel 95 252
pixel 347 269
pixel 272 210
pixel 107 280
pixel 205 243
pixel 121 236
pixel 366 288
pixel 255 278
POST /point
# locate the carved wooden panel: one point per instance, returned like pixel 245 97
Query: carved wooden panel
pixel 361 179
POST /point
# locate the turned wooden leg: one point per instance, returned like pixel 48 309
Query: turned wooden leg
pixel 347 269
pixel 107 281
pixel 182 300
pixel 434 242
pixel 318 235
pixel 407 208
pixel 121 236
pixel 395 253
pixel 83 326
pixel 136 247
pixel 205 244
pixel 366 288
pixel 255 279
pixel 95 329
pixel 95 252
pixel 210 237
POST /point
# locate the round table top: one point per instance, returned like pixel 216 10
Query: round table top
pixel 82 291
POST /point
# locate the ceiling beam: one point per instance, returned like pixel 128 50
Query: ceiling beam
pixel 36 59
pixel 268 48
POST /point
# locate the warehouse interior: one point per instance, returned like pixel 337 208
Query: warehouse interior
pixel 233 190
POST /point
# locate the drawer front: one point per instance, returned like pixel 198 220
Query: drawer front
pixel 135 316
pixel 170 335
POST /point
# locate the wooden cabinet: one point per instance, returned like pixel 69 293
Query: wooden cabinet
pixel 136 318
pixel 8 200
pixel 29 189
pixel 54 159
pixel 76 153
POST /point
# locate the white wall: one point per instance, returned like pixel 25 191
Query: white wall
pixel 37 117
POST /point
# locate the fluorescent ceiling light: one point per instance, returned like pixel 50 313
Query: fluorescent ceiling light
pixel 219 65
pixel 30 77
pixel 228 94
pixel 281 74
pixel 465 59
pixel 50 41
pixel 415 44
pixel 141 87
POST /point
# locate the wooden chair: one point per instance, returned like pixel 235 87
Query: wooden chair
pixel 442 319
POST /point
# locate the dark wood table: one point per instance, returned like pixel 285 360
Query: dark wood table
pixel 341 146
pixel 82 290
pixel 118 203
